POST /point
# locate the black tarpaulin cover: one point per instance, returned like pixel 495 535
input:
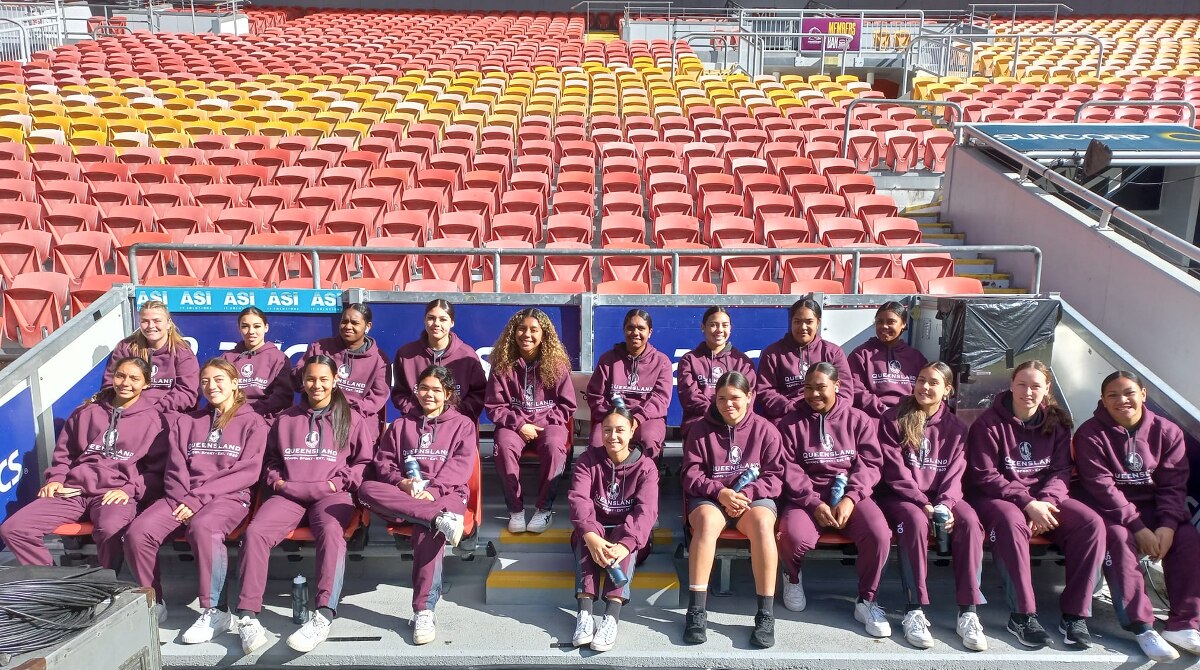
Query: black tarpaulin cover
pixel 977 333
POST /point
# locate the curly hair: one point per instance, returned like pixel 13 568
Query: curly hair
pixel 555 363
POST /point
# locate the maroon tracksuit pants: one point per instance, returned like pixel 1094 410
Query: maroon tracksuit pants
pixel 651 433
pixel 24 532
pixel 1128 586
pixel 428 545
pixel 278 516
pixel 1080 535
pixel 867 529
pixel 589 574
pixel 551 447
pixel 912 540
pixel 206 531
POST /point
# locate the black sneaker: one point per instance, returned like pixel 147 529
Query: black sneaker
pixel 1028 630
pixel 1075 633
pixel 763 636
pixel 694 626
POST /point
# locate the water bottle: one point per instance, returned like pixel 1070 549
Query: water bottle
pixel 299 600
pixel 616 575
pixel 748 476
pixel 838 489
pixel 412 470
pixel 941 515
pixel 618 400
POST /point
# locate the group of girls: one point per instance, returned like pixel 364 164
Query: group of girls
pixel 811 442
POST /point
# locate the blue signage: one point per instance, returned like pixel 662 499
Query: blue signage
pixel 270 300
pixel 1070 137
pixel 19 476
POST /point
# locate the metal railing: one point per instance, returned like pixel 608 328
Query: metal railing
pixel 1016 37
pixel 758 42
pixel 1138 103
pixel 496 255
pixel 914 104
pixel 1054 9
pixel 28 28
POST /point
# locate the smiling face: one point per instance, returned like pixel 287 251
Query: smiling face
pixel 820 392
pixel 804 326
pixel 732 403
pixel 716 331
pixel 637 335
pixel 431 395
pixel 437 327
pixel 1029 388
pixel 529 338
pixel 1124 400
pixel 888 327
pixel 217 387
pixel 254 331
pixel 318 384
pixel 930 390
pixel 353 328
pixel 155 325
pixel 617 434
pixel 128 383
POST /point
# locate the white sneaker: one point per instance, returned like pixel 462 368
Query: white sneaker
pixel 1154 646
pixel 312 633
pixel 971 632
pixel 516 522
pixel 540 521
pixel 606 635
pixel 916 630
pixel 585 629
pixel 450 525
pixel 1187 640
pixel 252 633
pixel 160 613
pixel 793 594
pixel 212 622
pixel 871 616
pixel 424 627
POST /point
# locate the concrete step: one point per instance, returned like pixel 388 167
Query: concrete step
pixel 945 239
pixel 549 579
pixel 964 266
pixel 933 227
pixel 991 279
pixel 558 541
pixel 1005 291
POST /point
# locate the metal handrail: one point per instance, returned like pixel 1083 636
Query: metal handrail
pixel 1030 7
pixel 855 252
pixel 754 38
pixel 898 103
pixel 1138 103
pixel 995 36
pixel 1108 209
pixel 23 37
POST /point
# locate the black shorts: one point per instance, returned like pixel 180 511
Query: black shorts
pixel 731 522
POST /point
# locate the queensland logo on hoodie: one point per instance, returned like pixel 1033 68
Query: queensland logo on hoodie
pixel 248 379
pixel 735 455
pixel 346 384
pixel 631 386
pixel 711 380
pixel 1027 462
pixel 156 382
pixel 1138 474
pixel 828 452
pixel 109 452
pixel 311 451
pixel 893 374
pixel 920 459
pixel 612 498
pixel 248 370
pixel 213 446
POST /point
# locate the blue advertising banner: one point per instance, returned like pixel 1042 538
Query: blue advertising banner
pixel 19 474
pixel 270 300
pixel 1071 137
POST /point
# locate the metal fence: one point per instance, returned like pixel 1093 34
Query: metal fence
pixel 26 28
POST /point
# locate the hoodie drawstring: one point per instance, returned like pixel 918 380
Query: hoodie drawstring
pixel 111 433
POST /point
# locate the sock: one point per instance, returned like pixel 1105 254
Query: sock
pixel 862 600
pixel 766 604
pixel 698 600
pixel 326 612
pixel 965 608
pixel 585 603
pixel 911 607
pixel 1068 618
pixel 242 613
pixel 613 609
pixel 1138 627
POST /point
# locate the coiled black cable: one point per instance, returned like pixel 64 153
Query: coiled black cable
pixel 39 613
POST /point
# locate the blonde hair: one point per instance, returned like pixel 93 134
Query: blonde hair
pixel 239 396
pixel 140 346
pixel 555 363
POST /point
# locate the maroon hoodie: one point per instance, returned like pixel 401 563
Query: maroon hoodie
pixel 174 376
pixel 470 384
pixel 818 447
pixel 84 459
pixel 715 454
pixel 1013 460
pixel 265 375
pixel 782 367
pixel 623 496
pixel 300 451
pixel 446 448
pixel 883 375
pixel 644 382
pixel 517 398
pixel 1123 473
pixel 932 474
pixel 699 370
pixel 206 463
pixel 362 373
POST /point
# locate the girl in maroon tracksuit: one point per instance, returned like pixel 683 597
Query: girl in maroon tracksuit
pixel 700 368
pixel 1133 468
pixel 362 369
pixel 264 372
pixel 614 504
pixel 884 367
pixel 215 458
pixel 531 401
pixel 783 365
pixel 94 473
pixel 924 459
pixel 439 346
pixel 445 447
pixel 640 376
pixel 1019 467
pixel 731 442
pixel 174 370
pixel 830 446
pixel 316 454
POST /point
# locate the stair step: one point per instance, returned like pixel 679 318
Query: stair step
pixel 974 265
pixel 992 279
pixel 946 239
pixel 549 579
pixel 935 227
pixel 1005 291
pixel 558 541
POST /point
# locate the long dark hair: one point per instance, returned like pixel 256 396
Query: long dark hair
pixel 1122 374
pixel 735 379
pixel 107 393
pixel 910 418
pixel 1054 415
pixel 339 407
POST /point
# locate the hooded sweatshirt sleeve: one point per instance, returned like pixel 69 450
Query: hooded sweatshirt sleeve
pixel 273 465
pixel 1097 479
pixel 864 399
pixel 499 399
pixel 579 499
pixel 386 464
pixel 655 405
pixel 148 478
pixel 242 475
pixel 66 449
pixel 694 471
pixel 402 396
pixel 182 396
pixel 692 398
pixel 896 474
pixel 864 474
pixel 1171 477
pixel 564 402
pixel 635 532
pixel 1055 485
pixel 597 393
pixel 774 403
pixel 280 393
pixel 950 489
pixel 455 473
pixel 983 460
pixel 361 450
pixel 474 389
pixel 375 397
pixel 770 478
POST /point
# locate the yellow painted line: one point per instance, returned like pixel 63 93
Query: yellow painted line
pixel 513 579
pixel 1005 291
pixel 973 261
pixel 987 276
pixel 661 537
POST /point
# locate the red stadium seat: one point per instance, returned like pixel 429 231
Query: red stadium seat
pixel 955 286
pixel 33 306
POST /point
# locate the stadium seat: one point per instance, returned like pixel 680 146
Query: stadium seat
pixel 954 286
pixel 889 286
pixel 33 306
pixel 91 289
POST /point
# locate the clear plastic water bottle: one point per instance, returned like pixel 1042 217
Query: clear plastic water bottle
pixel 941 516
pixel 299 600
pixel 616 575
pixel 838 489
pixel 618 400
pixel 748 476
pixel 412 470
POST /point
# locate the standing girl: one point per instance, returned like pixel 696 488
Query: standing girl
pixel 362 369
pixel 443 445
pixel 884 366
pixel 316 454
pixel 531 401
pixel 784 364
pixel 93 472
pixel 831 454
pixel 924 459
pixel 215 457
pixel 700 368
pixel 439 346
pixel 717 453
pixel 614 504
pixel 264 372
pixel 1019 467
pixel 174 370
pixel 638 376
pixel 1133 467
